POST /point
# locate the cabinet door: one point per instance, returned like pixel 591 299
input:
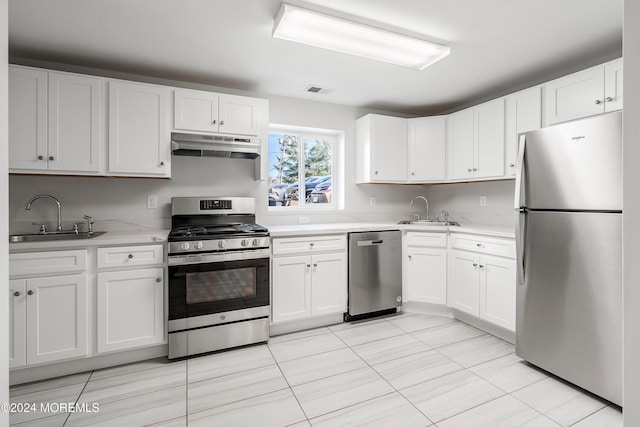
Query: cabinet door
pixel 489 139
pixel 195 110
pixel 291 288
pixel 139 137
pixel 427 149
pixel 578 95
pixel 427 275
pixel 498 291
pixel 74 123
pixel 523 114
pixel 465 292
pixel 27 119
pixel 56 318
pixel 389 149
pixel 460 137
pixel 239 115
pixel 329 284
pixel 130 309
pixel 17 323
pixel 613 80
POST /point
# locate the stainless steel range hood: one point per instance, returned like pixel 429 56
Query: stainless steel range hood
pixel 198 145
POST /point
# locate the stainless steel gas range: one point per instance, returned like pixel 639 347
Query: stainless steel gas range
pixel 218 275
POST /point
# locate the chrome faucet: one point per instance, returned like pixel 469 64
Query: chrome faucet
pixel 425 201
pixel 46 196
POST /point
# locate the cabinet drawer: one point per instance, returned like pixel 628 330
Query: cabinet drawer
pixel 436 240
pixel 296 245
pixel 34 263
pixel 483 244
pixel 122 256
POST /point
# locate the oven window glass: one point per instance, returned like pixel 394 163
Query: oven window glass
pixel 221 285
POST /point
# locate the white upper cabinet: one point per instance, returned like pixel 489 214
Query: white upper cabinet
pixel 74 123
pixel 27 118
pixel 427 149
pixel 488 148
pixel 381 149
pixel 139 136
pixel 613 82
pixel 202 111
pixel 54 122
pixel 460 142
pixel 523 114
pixel 593 91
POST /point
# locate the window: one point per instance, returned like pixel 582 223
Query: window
pixel 303 156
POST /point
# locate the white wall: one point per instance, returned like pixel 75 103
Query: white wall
pixel 631 215
pixel 4 233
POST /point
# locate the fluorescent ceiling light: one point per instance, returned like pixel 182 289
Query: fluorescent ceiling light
pixel 328 32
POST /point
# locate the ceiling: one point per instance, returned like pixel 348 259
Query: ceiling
pixel 497 46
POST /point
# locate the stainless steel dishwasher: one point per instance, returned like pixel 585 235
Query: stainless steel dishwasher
pixel 375 273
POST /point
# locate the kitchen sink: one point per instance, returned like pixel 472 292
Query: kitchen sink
pixel 52 237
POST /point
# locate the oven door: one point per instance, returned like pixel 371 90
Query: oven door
pixel 206 284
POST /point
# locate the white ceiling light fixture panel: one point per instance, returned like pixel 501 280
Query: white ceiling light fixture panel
pixel 328 32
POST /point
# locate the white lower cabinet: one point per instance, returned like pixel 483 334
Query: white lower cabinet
pixel 130 299
pixel 483 285
pixel 130 309
pixel 426 267
pixel 49 319
pixel 311 284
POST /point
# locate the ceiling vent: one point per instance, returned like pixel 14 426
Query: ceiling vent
pixel 317 89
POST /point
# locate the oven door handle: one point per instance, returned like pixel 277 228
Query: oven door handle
pixel 218 257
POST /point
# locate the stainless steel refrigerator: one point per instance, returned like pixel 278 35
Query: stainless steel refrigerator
pixel 569 246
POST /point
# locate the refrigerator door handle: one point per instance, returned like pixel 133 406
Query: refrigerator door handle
pixel 520 193
pixel 521 236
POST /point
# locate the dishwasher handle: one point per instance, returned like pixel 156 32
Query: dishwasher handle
pixel 370 242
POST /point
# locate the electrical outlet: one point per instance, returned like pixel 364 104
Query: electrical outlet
pixel 303 220
pixel 483 201
pixel 152 202
pixel 372 201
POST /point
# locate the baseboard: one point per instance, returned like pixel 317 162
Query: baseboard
pixel 301 325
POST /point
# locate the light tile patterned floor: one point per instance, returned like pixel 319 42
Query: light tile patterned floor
pixel 405 370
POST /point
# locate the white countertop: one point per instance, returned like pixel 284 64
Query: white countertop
pixel 336 228
pixel 107 239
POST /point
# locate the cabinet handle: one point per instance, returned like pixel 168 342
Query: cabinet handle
pixel 413 173
pixel 598 102
pixel 481 266
pixel 469 169
pixel 130 256
pixel 512 165
pixel 158 280
pixel 308 265
pixel 161 163
pixel 40 157
pixel 51 158
pixel 315 264
pixel 475 265
pixel 376 172
pixel 30 292
pixel 609 99
pixel 410 258
pixel 311 244
pixel 17 294
pixel 214 122
pixel 475 169
pixel 479 245
pixel 221 122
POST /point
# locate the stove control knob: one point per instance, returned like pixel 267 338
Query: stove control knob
pixel 198 245
pixel 244 242
pixel 256 242
pixel 221 244
pixel 184 246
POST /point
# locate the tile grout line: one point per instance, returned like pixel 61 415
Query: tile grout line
pixel 66 420
pixel 385 380
pixel 288 384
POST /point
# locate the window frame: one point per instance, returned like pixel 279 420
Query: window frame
pixel 337 168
